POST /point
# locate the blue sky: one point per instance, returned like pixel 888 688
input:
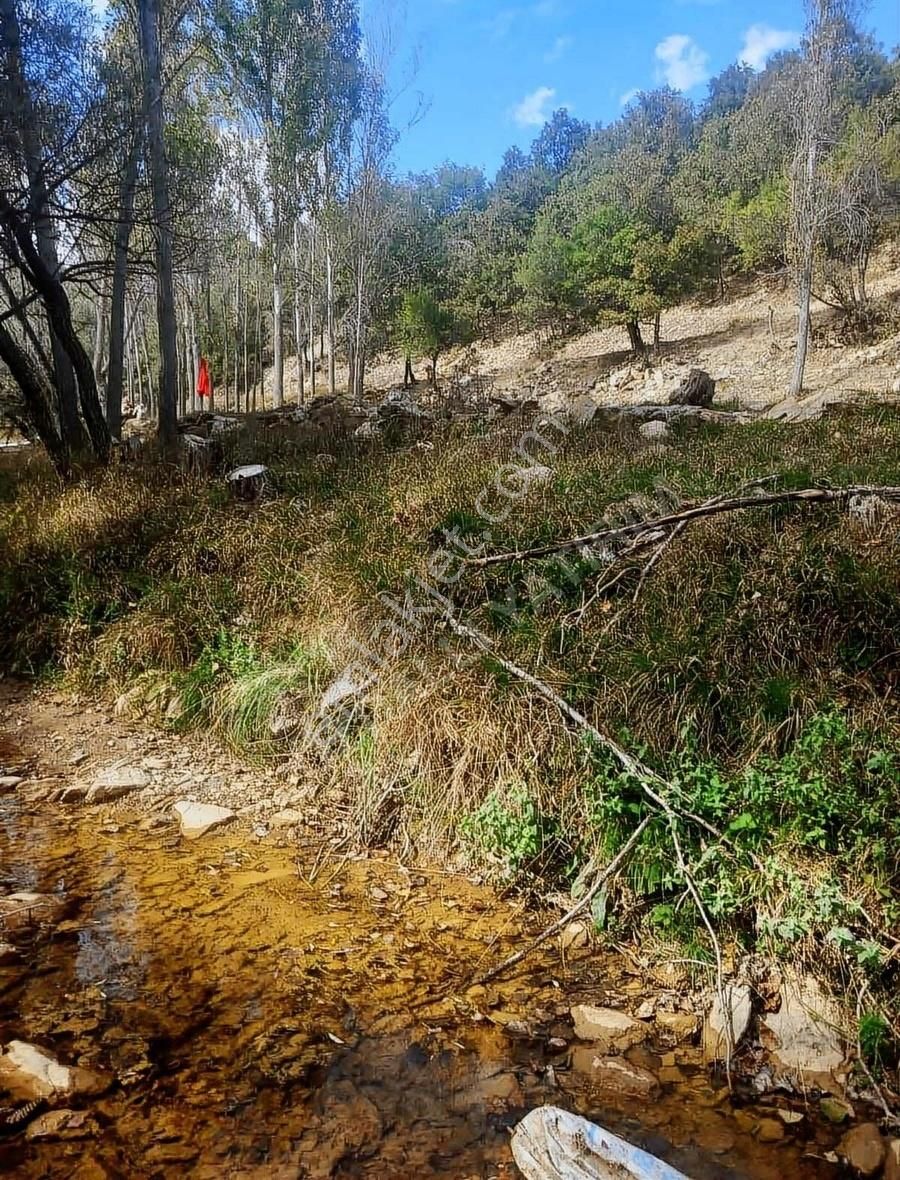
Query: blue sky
pixel 490 70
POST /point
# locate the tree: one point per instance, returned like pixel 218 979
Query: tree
pixel 828 24
pixel 149 17
pixel 425 327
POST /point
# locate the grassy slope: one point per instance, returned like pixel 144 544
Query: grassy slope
pixel 756 668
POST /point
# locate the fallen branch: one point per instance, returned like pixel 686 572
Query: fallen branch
pixel 560 924
pixel 709 508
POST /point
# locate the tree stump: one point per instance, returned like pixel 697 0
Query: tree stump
pixel 697 389
pixel 248 484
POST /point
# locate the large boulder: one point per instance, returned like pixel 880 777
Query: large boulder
pixel 803 1034
pixel 697 389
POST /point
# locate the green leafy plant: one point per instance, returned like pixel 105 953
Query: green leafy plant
pixel 508 827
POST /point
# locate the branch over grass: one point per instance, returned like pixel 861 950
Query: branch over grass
pixel 680 519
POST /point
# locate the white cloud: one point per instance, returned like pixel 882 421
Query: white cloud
pixel 558 48
pixel 532 110
pixel 626 98
pixel 761 41
pixel 683 64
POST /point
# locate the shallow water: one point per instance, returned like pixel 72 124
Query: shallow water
pixel 255 1023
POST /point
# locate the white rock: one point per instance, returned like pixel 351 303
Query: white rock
pixel 654 430
pixel 27 1069
pixel 198 818
pixel 250 471
pixel 607 1028
pixel 289 818
pixel 727 1021
pixel 9 782
pixel 116 782
pixel 802 1034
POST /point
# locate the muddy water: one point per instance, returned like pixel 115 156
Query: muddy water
pixel 264 1012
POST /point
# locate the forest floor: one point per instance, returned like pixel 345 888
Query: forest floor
pixel 745 341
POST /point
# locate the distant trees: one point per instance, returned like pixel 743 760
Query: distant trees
pixel 231 167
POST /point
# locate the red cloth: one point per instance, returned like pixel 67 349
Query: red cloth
pixel 204 381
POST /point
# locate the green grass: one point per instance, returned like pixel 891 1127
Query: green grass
pixel 756 669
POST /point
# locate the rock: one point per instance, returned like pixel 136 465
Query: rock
pixel 727 1022
pixel 654 431
pixel 366 429
pixel 770 1131
pixel 680 1025
pixel 801 1034
pixel 835 1110
pixel 697 389
pixel 574 936
pixel 8 954
pixel 62 1124
pixel 790 1118
pixel 9 782
pixel 74 793
pixel 616 1075
pixel 647 1009
pixel 290 817
pixel 248 483
pixel 19 911
pixel 77 757
pixel 611 1031
pixel 892 1162
pixel 196 819
pixel 116 782
pixel 864 1149
pixel 30 1073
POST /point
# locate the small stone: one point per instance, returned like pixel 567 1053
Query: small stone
pixel 574 937
pixel 378 894
pixel 31 1073
pixel 617 1075
pixel 154 763
pixel 196 819
pixel 770 1131
pixel 864 1149
pixel 835 1110
pixel 77 757
pixel 680 1025
pixel 647 1010
pixel 790 1118
pixel 9 782
pixel 61 1124
pixel 8 954
pixel 608 1028
pixel 290 817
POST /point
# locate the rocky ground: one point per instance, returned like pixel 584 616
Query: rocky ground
pixel 589 1028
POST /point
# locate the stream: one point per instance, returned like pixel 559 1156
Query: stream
pixel 265 1011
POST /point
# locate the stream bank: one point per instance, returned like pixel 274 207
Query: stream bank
pixel 263 1006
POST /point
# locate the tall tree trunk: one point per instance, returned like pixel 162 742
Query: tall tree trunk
pixel 59 314
pixel 99 338
pixel 806 233
pixel 312 312
pixel 277 327
pixel 119 289
pixel 298 318
pixel 162 215
pixel 329 313
pixel 23 117
pixel 36 398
